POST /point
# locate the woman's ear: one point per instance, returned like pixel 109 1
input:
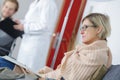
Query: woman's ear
pixel 99 29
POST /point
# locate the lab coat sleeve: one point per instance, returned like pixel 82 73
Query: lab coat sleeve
pixel 46 19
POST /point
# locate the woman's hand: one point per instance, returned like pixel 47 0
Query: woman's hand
pixel 41 79
pixel 45 70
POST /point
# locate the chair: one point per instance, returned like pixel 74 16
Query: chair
pixel 113 73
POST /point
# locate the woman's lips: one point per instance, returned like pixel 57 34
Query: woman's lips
pixel 83 36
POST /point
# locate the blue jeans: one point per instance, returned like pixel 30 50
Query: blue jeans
pixel 5 63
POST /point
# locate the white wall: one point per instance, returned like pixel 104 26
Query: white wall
pixel 24 5
pixel 111 8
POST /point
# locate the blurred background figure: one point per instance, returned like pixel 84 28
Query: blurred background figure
pixel 8 9
pixel 38 27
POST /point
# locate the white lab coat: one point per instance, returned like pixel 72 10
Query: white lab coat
pixel 39 24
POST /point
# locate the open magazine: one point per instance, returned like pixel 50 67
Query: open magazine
pixel 19 64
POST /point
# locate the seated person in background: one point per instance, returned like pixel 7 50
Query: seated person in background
pixel 85 59
pixel 9 8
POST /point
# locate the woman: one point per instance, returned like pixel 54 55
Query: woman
pixel 38 27
pixel 81 63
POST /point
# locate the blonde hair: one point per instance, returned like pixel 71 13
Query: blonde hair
pixel 100 20
pixel 13 1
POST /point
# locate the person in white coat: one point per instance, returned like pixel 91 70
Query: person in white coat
pixel 38 26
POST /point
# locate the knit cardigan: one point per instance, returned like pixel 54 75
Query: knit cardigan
pixel 82 62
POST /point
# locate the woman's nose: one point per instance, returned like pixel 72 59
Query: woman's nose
pixel 81 32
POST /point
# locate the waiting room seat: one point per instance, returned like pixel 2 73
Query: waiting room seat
pixel 113 73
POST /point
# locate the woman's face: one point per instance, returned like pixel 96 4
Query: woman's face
pixel 8 9
pixel 88 32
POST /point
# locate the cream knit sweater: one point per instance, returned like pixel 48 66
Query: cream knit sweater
pixel 82 62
